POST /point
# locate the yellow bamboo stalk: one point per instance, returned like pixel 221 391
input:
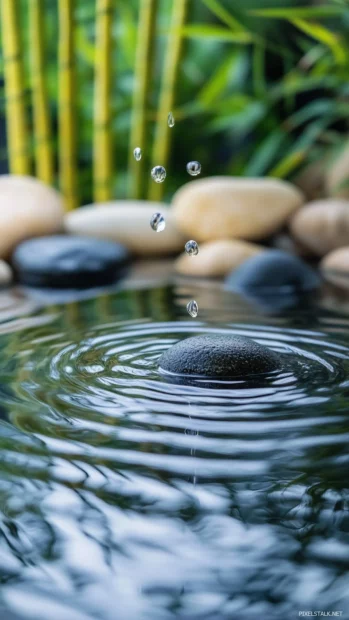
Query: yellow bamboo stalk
pixel 42 125
pixel 16 121
pixel 142 75
pixel 66 104
pixel 161 145
pixel 102 147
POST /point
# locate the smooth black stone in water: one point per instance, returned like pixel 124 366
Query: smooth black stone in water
pixel 271 272
pixel 219 356
pixel 69 262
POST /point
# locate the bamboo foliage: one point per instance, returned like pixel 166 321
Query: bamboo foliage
pixel 142 76
pixel 161 145
pixel 67 93
pixel 42 126
pixel 17 131
pixel 102 147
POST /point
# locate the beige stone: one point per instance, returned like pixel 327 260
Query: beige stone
pixel 335 267
pixel 231 207
pixel 337 177
pixel 338 260
pixel 28 208
pixel 6 275
pixel 128 222
pixel 322 225
pixel 216 258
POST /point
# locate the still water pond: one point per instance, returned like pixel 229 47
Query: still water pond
pixel 126 497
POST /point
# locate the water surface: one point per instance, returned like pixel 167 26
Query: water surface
pixel 124 496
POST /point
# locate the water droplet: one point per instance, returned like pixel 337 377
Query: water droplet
pixel 193 168
pixel 191 248
pixel 170 120
pixel 193 308
pixel 158 173
pixel 157 222
pixel 137 153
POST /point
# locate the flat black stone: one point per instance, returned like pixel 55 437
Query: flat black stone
pixel 273 271
pixel 219 356
pixel 64 261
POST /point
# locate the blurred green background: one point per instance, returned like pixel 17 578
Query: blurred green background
pixel 262 86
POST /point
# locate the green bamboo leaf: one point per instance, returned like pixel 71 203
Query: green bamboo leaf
pixel 218 33
pixel 220 11
pixel 325 36
pixel 241 119
pixel 258 70
pixel 265 154
pixel 298 12
pixel 300 150
pixel 233 104
pixel 219 81
pixel 288 164
pixel 300 83
pixel 317 108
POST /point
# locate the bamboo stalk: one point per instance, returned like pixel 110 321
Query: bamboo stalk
pixel 66 120
pixel 142 75
pixel 16 121
pixel 42 125
pixel 161 145
pixel 102 147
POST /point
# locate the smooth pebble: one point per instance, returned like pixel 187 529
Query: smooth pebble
pixel 127 221
pixel 227 207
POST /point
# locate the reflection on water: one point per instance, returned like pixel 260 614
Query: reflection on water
pixel 125 496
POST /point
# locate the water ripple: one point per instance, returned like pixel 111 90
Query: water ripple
pixel 111 473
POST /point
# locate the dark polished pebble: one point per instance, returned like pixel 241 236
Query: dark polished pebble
pixel 219 357
pixel 68 262
pixel 273 271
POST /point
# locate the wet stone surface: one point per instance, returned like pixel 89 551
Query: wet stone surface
pixel 273 271
pixel 69 262
pixel 215 356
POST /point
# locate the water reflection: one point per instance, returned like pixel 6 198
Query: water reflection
pixel 124 496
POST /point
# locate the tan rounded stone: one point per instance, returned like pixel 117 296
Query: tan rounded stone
pixel 335 267
pixel 28 208
pixel 337 177
pixel 338 260
pixel 234 207
pixel 6 275
pixel 322 225
pixel 216 258
pixel 127 222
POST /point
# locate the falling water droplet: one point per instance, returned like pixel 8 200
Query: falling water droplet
pixel 193 308
pixel 137 153
pixel 158 173
pixel 193 168
pixel 170 120
pixel 157 222
pixel 191 248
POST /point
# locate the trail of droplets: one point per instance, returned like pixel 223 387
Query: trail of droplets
pixel 157 221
